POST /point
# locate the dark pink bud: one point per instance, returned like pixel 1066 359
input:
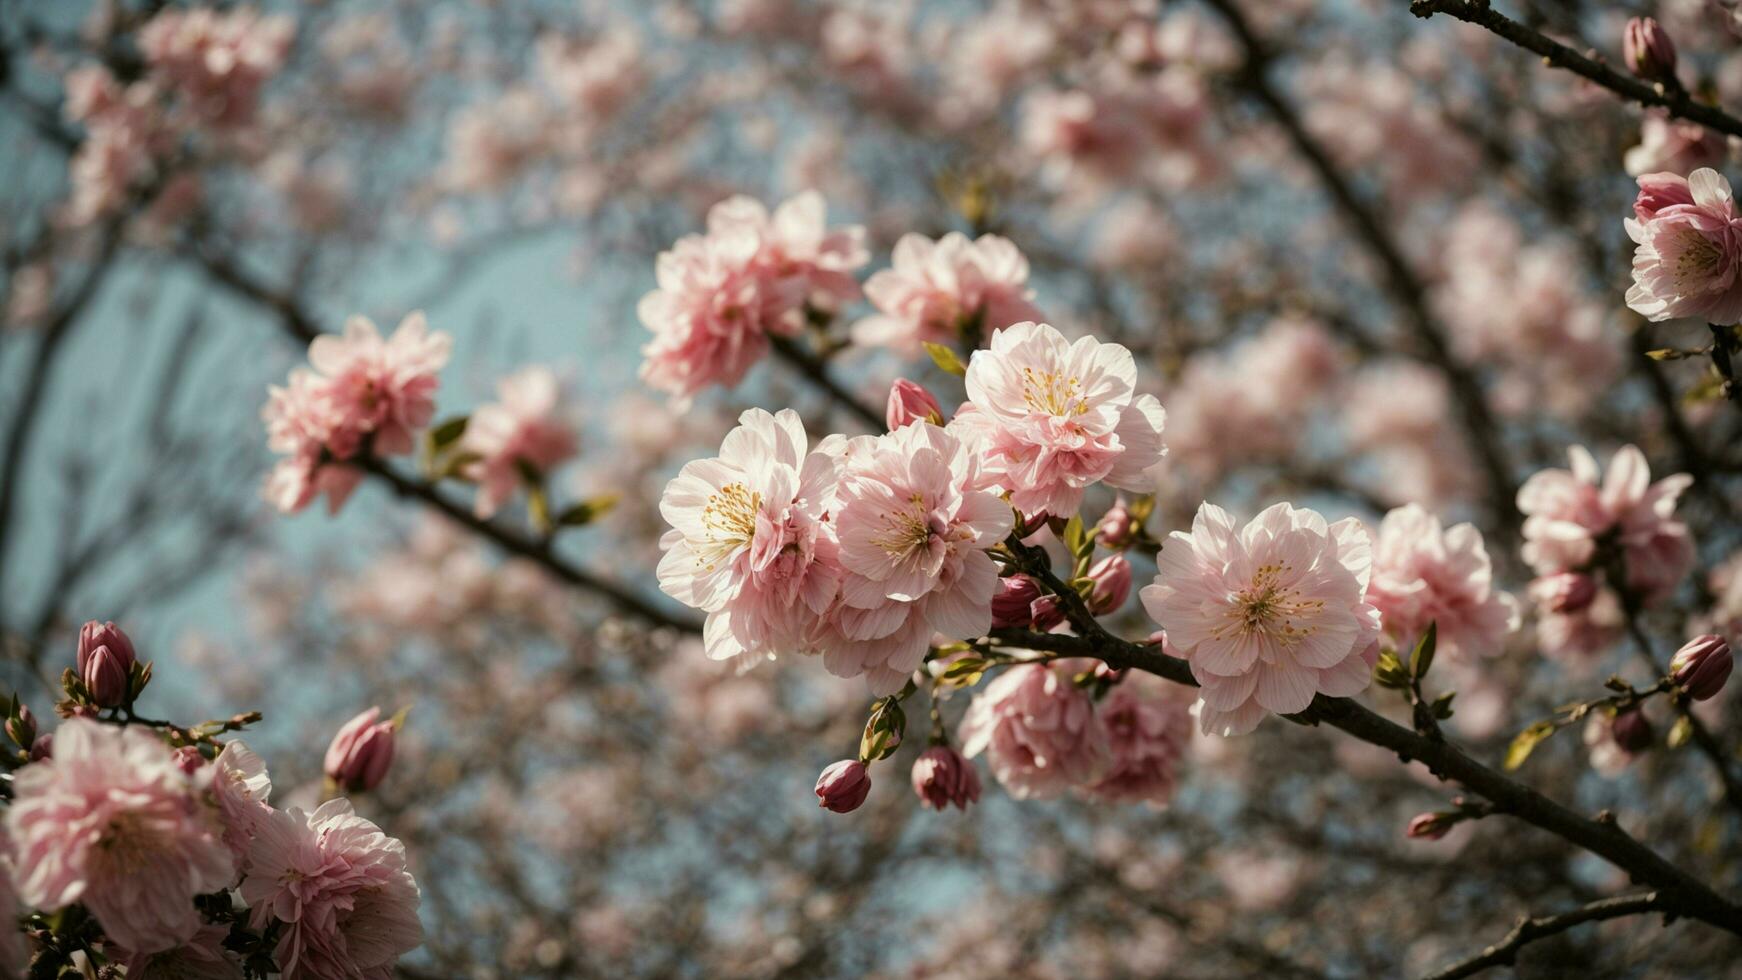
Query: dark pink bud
pixel 1631 731
pixel 94 634
pixel 1566 592
pixel 1046 612
pixel 942 777
pixel 361 753
pixel 1012 602
pixel 1115 529
pixel 843 786
pixel 189 759
pixel 1647 49
pixel 1702 666
pixel 22 729
pixel 43 747
pixel 1428 826
pixel 1111 578
pixel 106 678
pixel 908 402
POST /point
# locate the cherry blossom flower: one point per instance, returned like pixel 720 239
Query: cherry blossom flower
pixel 1267 615
pixel 1148 728
pixel 217 61
pixel 242 788
pixel 1038 730
pixel 340 888
pixel 913 531
pixel 1050 417
pixel 1689 259
pixel 112 822
pixel 202 957
pixel 525 429
pixel 941 291
pixel 751 544
pixel 1426 573
pixel 1567 514
pixel 752 274
pixel 942 777
pixel 1674 145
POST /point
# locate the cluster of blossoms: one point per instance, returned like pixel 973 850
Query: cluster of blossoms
pixel 1583 527
pixel 721 294
pixel 942 291
pixel 157 847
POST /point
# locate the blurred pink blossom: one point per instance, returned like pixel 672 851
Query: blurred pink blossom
pixel 1038 730
pixel 525 428
pixel 946 290
pixel 1148 726
pixel 1426 573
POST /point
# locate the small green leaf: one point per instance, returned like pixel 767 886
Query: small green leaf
pixel 587 511
pixel 447 433
pixel 1442 706
pixel 1076 538
pixel 945 358
pixel 1423 657
pixel 1526 742
pixel 1389 673
pixel 883 730
pixel 1680 732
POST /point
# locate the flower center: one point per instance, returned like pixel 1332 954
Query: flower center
pixel 127 845
pixel 1049 392
pixel 1269 609
pixel 729 520
pixel 1699 258
pixel 906 531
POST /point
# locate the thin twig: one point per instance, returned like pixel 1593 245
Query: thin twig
pixel 1529 930
pixel 1670 98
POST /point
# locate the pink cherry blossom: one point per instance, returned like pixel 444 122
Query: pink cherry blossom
pixel 1267 615
pixel 752 274
pixel 217 61
pixel 1674 145
pixel 1050 417
pixel 524 429
pixel 112 822
pixel 1567 513
pixel 1038 729
pixel 751 544
pixel 1148 727
pixel 1426 573
pixel 361 752
pixel 364 391
pixel 941 291
pixel 340 888
pixel 242 788
pixel 913 531
pixel 941 776
pixel 15 948
pixel 202 957
pixel 1689 257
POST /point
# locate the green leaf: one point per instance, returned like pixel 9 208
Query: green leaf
pixel 1680 732
pixel 965 672
pixel 587 511
pixel 1077 538
pixel 447 433
pixel 1526 742
pixel 883 730
pixel 945 358
pixel 1388 672
pixel 1423 657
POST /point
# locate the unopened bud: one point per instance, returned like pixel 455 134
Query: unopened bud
pixel 1631 731
pixel 43 747
pixel 1116 527
pixel 1111 584
pixel 1013 601
pixel 1702 666
pixel 361 752
pixel 1647 49
pixel 94 634
pixel 1429 826
pixel 908 403
pixel 189 759
pixel 941 776
pixel 843 786
pixel 1564 592
pixel 108 677
pixel 21 728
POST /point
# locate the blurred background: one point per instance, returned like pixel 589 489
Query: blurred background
pixel 1362 258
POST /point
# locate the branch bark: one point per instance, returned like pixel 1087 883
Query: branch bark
pixel 1529 930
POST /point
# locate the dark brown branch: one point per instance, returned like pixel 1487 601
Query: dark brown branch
pixel 1400 279
pixel 817 373
pixel 1672 99
pixel 1529 930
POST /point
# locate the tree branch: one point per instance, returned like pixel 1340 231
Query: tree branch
pixel 1672 99
pixel 1529 930
pixel 817 373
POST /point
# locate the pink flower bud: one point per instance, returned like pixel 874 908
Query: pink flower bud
pixel 1115 529
pixel 1012 603
pixel 94 634
pixel 843 786
pixel 908 402
pixel 1428 826
pixel 43 747
pixel 1702 666
pixel 189 759
pixel 942 777
pixel 1565 592
pixel 1112 584
pixel 1647 49
pixel 106 677
pixel 22 729
pixel 1631 731
pixel 361 753
pixel 1045 613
